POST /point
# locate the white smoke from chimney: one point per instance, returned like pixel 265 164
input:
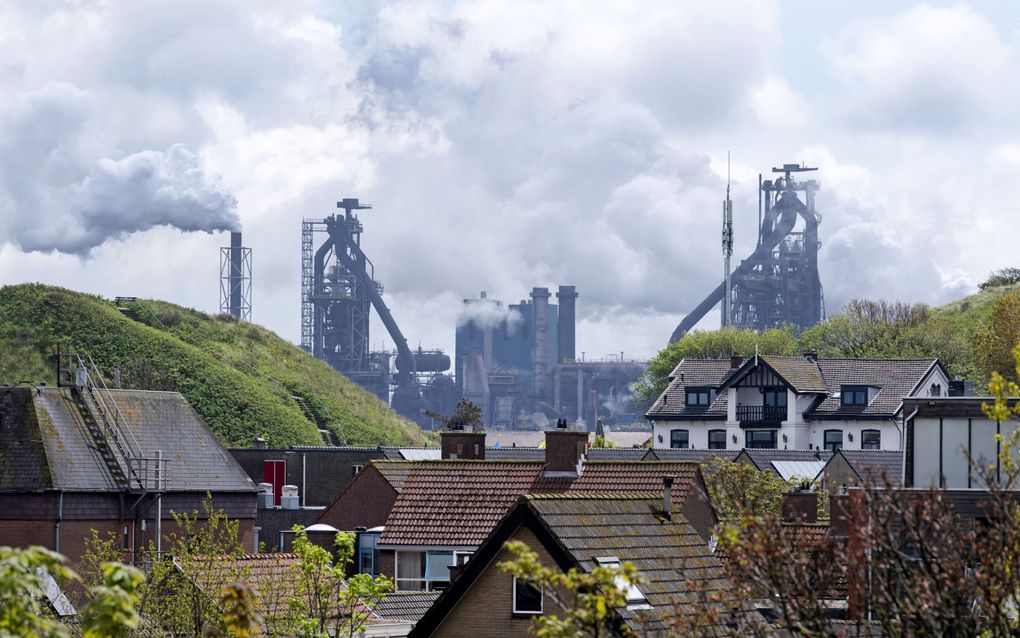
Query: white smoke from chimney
pixel 61 188
pixel 488 313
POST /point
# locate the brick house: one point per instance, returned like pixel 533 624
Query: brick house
pixel 577 530
pixel 850 468
pixel 59 477
pixel 796 403
pixel 420 518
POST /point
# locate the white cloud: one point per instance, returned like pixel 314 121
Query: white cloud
pixel 506 146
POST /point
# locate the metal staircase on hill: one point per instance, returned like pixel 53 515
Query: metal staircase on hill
pixel 328 436
pixel 131 470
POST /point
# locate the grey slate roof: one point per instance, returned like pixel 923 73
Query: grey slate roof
pixel 514 454
pixel 896 377
pixel 708 373
pixel 761 458
pixel 872 463
pixel 406 605
pixel 668 553
pixel 697 456
pixel 617 453
pixel 46 430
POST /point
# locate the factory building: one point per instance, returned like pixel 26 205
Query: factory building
pixel 519 364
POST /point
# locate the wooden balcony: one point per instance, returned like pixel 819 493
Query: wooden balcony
pixel 758 416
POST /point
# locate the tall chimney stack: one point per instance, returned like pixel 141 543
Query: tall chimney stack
pixel 540 343
pixel 565 324
pixel 235 274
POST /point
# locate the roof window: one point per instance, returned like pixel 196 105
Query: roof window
pixel 635 599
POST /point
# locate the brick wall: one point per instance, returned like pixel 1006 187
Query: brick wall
pixel 326 472
pixel 366 502
pixel 487 607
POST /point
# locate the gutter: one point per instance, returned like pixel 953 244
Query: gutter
pixel 56 525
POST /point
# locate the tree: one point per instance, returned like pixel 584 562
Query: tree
pixel 327 603
pixel 993 350
pixel 1001 277
pixel 466 413
pixel 113 612
pixel 23 611
pixel 740 488
pixel 184 582
pixel 714 344
pixel 586 603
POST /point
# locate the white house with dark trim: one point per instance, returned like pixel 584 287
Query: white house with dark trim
pixel 795 403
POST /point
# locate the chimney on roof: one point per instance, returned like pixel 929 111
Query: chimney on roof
pixel 467 443
pixel 736 361
pixel 839 515
pixel 811 355
pixel 259 443
pixel 800 507
pixel 667 497
pixel 565 450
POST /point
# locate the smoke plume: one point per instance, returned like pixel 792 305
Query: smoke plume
pixel 487 313
pixel 62 190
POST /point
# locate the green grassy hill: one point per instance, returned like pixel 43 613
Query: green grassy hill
pixel 239 376
pixel 973 310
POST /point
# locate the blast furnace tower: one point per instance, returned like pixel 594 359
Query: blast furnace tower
pixel 778 283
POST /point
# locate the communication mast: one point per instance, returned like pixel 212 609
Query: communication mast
pixel 727 249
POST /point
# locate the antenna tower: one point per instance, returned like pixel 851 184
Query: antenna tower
pixel 727 248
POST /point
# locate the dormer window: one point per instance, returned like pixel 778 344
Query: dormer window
pixel 854 395
pixel 699 397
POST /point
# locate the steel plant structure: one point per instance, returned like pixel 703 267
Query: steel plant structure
pixel 338 292
pixel 778 283
pixel 235 278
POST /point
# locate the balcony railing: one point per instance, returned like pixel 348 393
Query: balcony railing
pixel 761 415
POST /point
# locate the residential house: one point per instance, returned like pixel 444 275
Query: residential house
pixel 786 464
pixel 944 435
pixel 849 468
pixel 65 469
pixel 582 531
pixel 419 518
pixel 796 403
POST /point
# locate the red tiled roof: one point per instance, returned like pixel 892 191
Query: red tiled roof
pixel 458 503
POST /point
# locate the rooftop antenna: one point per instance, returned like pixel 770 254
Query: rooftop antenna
pixel 727 248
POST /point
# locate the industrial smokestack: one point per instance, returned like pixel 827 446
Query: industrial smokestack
pixel 565 324
pixel 539 343
pixel 235 278
pixel 235 274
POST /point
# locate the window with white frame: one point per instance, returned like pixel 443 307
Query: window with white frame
pixel 424 571
pixel 527 598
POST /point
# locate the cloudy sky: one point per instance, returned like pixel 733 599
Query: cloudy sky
pixel 505 145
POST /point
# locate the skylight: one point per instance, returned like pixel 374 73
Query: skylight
pixel 635 599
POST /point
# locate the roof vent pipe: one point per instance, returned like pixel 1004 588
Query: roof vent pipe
pixel 667 497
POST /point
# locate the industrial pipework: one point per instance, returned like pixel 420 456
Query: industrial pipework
pixel 778 283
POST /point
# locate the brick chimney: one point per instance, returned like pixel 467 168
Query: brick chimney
pixel 463 444
pixel 565 450
pixel 736 361
pixel 839 515
pixel 800 507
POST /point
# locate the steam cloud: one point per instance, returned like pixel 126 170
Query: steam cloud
pixel 489 314
pixel 61 191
